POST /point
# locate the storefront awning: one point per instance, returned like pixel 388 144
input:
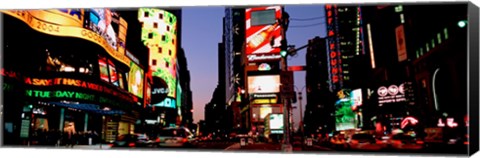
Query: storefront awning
pixel 89 108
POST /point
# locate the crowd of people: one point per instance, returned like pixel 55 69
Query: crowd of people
pixel 55 137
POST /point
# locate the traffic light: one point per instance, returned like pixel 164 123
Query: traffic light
pixel 283 48
pixel 462 23
pixel 283 53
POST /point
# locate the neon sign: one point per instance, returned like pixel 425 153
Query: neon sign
pixel 334 55
pixel 76 83
pixel 450 123
pixel 408 120
pixel 60 94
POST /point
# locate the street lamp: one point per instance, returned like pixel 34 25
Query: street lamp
pixel 301 110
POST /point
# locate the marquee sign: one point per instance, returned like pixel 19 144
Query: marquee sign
pixel 72 88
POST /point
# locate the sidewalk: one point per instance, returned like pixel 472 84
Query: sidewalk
pixel 96 146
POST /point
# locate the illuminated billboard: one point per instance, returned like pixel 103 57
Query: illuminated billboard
pixel 263 33
pixel 72 23
pixel 135 80
pixel 264 84
pixel 345 117
pixel 167 103
pixel 276 121
pixel 356 97
pixel 102 62
pixel 334 56
pixel 395 93
pixel 159 34
pixel 179 96
pixel 110 26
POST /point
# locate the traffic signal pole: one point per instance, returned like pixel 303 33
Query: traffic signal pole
pixel 286 146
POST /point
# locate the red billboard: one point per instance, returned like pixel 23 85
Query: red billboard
pixel 263 33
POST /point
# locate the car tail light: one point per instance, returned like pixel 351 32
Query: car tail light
pixel 157 140
pixel 419 142
pixel 354 141
pixel 466 143
pixel 111 145
pixel 397 142
pixel 184 140
pixel 131 144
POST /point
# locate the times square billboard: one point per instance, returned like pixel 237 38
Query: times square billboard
pixel 159 34
pixel 263 33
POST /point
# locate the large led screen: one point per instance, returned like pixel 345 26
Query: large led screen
pixel 102 62
pixel 264 84
pixel 345 117
pixel 263 33
pixel 135 80
pixel 276 121
pixel 159 34
pixel 109 25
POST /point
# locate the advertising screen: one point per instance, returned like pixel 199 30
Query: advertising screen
pixel 167 103
pixel 356 97
pixel 263 33
pixel 393 93
pixel 159 34
pixel 103 69
pixel 345 117
pixel 106 23
pixel 148 94
pixel 135 80
pixel 74 23
pixel 264 111
pixel 179 95
pixel 264 84
pixel 263 17
pixel 113 73
pixel 276 121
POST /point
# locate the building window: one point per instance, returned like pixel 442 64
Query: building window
pixel 445 31
pixel 155 25
pixel 150 35
pixel 145 14
pixel 160 16
pixel 160 50
pixel 170 52
pixel 163 38
pixel 173 41
pixel 168 28
pixel 439 38
pixel 166 64
pixel 402 18
pixel 421 51
pixel 154 62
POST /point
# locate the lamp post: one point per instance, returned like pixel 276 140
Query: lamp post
pixel 301 110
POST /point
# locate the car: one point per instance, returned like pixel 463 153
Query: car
pixel 337 142
pixel 132 141
pixel 403 141
pixel 363 141
pixel 175 137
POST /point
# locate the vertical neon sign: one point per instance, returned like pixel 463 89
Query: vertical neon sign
pixel 334 56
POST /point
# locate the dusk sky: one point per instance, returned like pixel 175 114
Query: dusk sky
pixel 202 31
